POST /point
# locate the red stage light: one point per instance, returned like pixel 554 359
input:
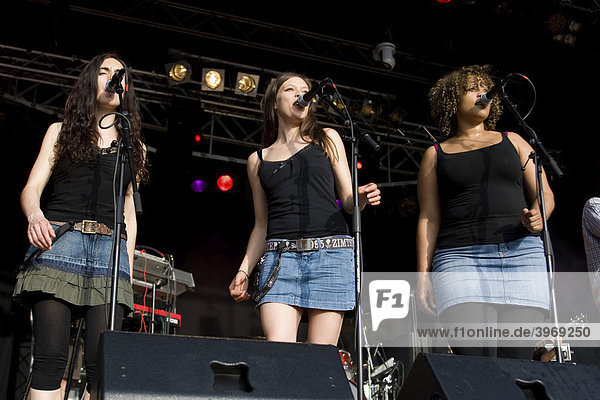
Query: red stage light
pixel 359 165
pixel 224 183
pixel 444 1
pixel 198 138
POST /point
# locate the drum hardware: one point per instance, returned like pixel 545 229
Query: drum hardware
pixel 546 350
pixel 383 368
pixel 382 381
pixel 349 367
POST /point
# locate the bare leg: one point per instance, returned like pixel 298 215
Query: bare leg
pixel 280 321
pixel 35 394
pixel 324 326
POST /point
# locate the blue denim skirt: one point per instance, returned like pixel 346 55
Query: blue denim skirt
pixel 320 279
pixel 514 273
pixel 76 270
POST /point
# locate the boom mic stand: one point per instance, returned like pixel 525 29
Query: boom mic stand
pixel 548 252
pixel 357 134
pixel 123 123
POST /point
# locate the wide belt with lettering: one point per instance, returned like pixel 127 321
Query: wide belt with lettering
pixel 311 244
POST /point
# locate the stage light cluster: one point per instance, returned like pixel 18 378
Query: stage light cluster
pixel 223 182
pixel 212 79
pixel 563 28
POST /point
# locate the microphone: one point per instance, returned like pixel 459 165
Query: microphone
pixel 486 98
pixel 305 98
pixel 112 85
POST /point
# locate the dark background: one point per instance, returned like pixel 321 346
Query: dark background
pixel 207 233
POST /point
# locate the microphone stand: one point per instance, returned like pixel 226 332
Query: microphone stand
pixel 357 134
pixel 548 252
pixel 124 126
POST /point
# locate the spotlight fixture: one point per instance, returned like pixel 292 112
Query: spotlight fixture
pixel 225 182
pixel 397 115
pixel 247 84
pixel 368 109
pixel 570 39
pixel 179 72
pixel 574 26
pixel 555 23
pixel 338 103
pixel 212 79
pixel 199 186
pixel 384 53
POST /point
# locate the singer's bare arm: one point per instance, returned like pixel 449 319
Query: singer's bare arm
pixel 256 244
pixel 367 194
pixel 39 230
pixel 428 226
pixel 531 217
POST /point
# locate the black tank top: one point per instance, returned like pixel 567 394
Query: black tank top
pixel 300 195
pixel 83 190
pixel 481 196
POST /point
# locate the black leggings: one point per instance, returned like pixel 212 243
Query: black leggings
pixel 51 333
pixel 490 314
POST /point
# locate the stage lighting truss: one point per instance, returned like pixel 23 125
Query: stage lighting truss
pixel 233 128
pixel 230 124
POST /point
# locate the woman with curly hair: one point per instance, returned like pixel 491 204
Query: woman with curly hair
pixel 308 259
pixel 479 222
pixel 69 275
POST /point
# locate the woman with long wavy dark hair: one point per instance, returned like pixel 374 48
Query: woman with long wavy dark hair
pixel 69 275
pixel 299 231
pixel 479 221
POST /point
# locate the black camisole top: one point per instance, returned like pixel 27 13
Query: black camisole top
pixel 84 190
pixel 301 196
pixel 481 196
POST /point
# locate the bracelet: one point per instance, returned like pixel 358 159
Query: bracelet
pixel 245 273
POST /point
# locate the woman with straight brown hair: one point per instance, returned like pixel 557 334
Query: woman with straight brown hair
pixel 299 231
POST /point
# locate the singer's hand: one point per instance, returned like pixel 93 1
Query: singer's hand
pixel 238 289
pixel 39 231
pixel 425 296
pixel 369 194
pixel 532 219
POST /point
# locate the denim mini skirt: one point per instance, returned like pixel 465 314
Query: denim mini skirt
pixel 321 279
pixel 514 273
pixel 76 270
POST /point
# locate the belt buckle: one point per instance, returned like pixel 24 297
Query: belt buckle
pixel 304 244
pixel 85 228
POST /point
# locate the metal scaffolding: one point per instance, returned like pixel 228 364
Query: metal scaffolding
pixel 41 81
pixel 230 123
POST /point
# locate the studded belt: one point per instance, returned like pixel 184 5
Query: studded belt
pixel 90 227
pixel 310 244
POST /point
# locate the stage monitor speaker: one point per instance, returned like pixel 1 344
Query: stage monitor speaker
pixel 147 366
pixel 452 377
